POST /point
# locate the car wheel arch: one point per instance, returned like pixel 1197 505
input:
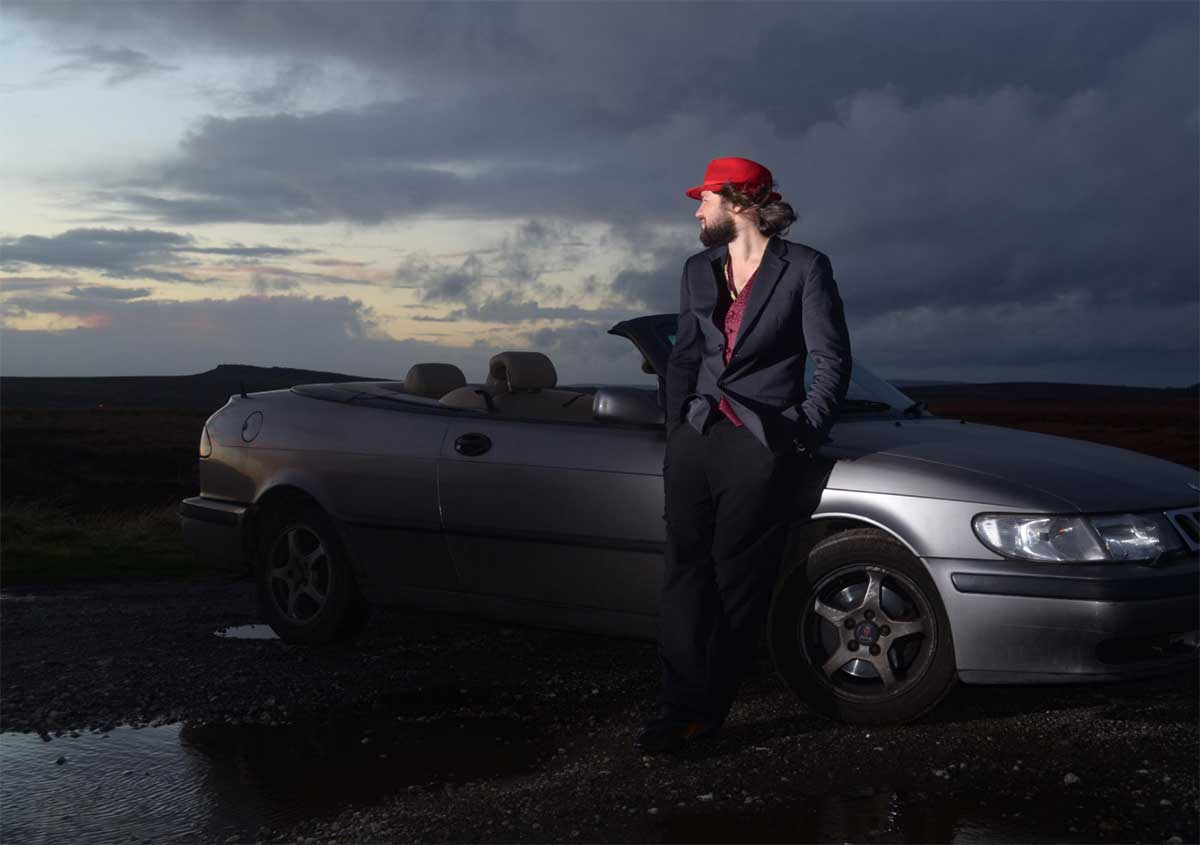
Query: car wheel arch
pixel 279 496
pixel 804 538
pixel 807 535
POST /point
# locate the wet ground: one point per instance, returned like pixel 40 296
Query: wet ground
pixel 248 632
pixel 216 783
pixel 440 729
pixel 206 782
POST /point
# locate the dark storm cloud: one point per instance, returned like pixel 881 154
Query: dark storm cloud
pixel 99 249
pixel 509 308
pixel 119 254
pixel 279 93
pixel 496 278
pixel 109 292
pixel 436 41
pixel 247 251
pixel 992 177
pixel 584 352
pixel 654 284
pixel 657 289
pixel 122 253
pixel 1147 343
pixel 460 284
pixel 389 161
pixel 824 51
pixel 265 283
pixel 339 262
pixel 267 278
pixel 572 108
pixel 82 302
pixel 121 64
pixel 1020 182
pixel 35 282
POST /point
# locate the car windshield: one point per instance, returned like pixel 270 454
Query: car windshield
pixel 867 392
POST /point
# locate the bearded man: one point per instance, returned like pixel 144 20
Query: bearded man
pixel 743 434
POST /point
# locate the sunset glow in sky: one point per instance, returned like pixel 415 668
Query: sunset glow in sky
pixel 1007 191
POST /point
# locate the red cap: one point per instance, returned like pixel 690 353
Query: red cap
pixel 742 173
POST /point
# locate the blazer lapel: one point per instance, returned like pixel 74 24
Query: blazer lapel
pixel 717 259
pixel 770 269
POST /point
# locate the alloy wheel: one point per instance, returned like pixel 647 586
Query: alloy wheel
pixel 300 574
pixel 868 632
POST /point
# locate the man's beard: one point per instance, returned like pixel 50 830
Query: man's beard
pixel 719 233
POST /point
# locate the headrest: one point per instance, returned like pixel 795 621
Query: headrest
pixel 433 380
pixel 522 370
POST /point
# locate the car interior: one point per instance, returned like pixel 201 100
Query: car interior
pixel 520 384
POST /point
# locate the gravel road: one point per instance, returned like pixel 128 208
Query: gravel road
pixel 1093 763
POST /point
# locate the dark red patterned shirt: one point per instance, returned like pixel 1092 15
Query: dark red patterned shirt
pixel 736 303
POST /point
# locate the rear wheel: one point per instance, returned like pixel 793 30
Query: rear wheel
pixel 305 584
pixel 859 632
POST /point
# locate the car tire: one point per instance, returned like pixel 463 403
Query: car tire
pixel 893 667
pixel 306 588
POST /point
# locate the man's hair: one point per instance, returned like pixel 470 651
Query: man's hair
pixel 774 218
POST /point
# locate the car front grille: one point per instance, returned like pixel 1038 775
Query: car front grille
pixel 1187 523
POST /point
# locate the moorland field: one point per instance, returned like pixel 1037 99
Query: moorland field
pixel 92 469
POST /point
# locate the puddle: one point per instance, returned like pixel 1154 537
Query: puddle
pixel 248 632
pixel 877 814
pixel 204 783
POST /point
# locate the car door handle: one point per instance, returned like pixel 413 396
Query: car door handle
pixel 472 444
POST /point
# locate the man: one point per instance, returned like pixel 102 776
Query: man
pixel 742 438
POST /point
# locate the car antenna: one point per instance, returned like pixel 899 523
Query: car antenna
pixel 243 384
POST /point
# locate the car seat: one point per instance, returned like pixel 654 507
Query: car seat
pixel 433 380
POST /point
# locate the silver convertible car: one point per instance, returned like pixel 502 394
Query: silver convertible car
pixel 939 550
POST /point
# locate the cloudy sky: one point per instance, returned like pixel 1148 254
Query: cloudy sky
pixel 1006 191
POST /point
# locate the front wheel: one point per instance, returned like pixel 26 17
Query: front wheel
pixel 306 588
pixel 859 632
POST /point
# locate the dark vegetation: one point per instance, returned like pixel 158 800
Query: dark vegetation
pixel 1163 422
pixel 92 469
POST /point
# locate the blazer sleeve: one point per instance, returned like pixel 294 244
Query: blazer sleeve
pixel 828 342
pixel 683 364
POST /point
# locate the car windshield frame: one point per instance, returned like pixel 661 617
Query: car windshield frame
pixel 865 386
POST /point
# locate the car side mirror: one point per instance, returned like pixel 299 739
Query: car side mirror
pixel 635 405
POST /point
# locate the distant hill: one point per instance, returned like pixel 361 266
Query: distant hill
pixel 205 391
pixel 209 390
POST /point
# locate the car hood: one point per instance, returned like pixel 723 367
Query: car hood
pixel 1082 475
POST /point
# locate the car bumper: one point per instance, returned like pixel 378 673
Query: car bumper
pixel 214 531
pixel 1016 622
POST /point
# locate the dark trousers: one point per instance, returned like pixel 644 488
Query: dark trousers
pixel 729 505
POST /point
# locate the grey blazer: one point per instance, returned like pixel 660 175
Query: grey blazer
pixel 794 310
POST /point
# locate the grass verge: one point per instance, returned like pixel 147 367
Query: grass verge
pixel 43 541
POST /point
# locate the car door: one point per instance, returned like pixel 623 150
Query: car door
pixel 563 512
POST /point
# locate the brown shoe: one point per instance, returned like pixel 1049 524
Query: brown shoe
pixel 673 733
pixel 701 730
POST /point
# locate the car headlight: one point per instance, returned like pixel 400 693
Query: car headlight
pixel 1136 536
pixel 1077 539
